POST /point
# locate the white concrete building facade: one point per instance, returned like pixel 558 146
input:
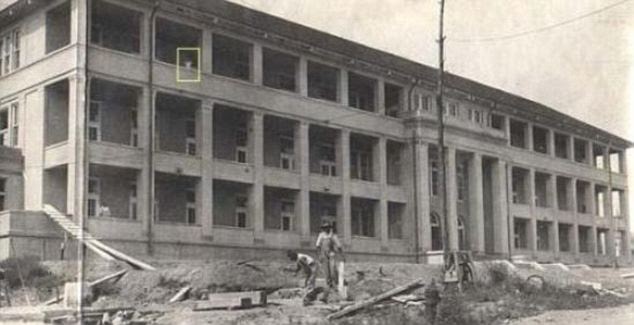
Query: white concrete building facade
pixel 194 129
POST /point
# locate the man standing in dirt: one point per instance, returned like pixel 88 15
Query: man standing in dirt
pixel 328 248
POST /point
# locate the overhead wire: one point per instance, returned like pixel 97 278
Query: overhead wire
pixel 539 29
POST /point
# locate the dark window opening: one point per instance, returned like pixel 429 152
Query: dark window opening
pixel 520 233
pixel 116 27
pixel 581 155
pixel 231 57
pixel 362 215
pixel 540 140
pixel 561 146
pixel 543 235
pixel 170 36
pixel 497 121
pixel 393 103
pixel 564 237
pixel 58 27
pixel 598 156
pixel 280 70
pixel 361 92
pixel 518 134
pixel 323 81
pixel 362 157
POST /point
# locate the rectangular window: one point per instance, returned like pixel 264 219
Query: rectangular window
pixel 133 208
pixel 10 51
pixel 3 193
pixel 94 192
pixel 58 27
pixel 172 35
pixel 287 215
pixel 434 178
pixel 231 57
pixel 287 153
pixel 323 81
pixel 361 165
pixel 134 129
pixel 190 140
pixel 117 28
pixel 327 163
pixel 241 211
pixel 94 121
pixel 190 207
pixel 242 137
pixel 461 181
pixel 361 92
pixel 279 70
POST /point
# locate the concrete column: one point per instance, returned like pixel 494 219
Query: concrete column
pixel 257 195
pixel 423 209
pixel 381 157
pixel 76 172
pixel 384 224
pixel 507 129
pixel 500 209
pixel 571 148
pixel 343 159
pixel 302 76
pixel 380 96
pixel 555 239
pixel 144 183
pixel 452 199
pixel 628 247
pixel 78 22
pixel 476 204
pixel 531 201
pixel 343 87
pixel 572 202
pixel 256 64
pixel 206 51
pixel 303 156
pixel 204 128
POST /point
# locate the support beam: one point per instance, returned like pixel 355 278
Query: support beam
pixel 423 209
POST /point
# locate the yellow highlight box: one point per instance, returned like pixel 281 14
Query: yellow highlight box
pixel 185 59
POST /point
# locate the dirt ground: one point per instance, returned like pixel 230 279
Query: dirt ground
pixel 148 292
pixel 621 315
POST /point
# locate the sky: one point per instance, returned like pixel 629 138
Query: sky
pixel 584 69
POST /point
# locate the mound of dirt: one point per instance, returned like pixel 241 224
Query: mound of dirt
pixel 218 276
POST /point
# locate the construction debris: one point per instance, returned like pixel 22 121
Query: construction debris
pixel 627 275
pixel 180 295
pixel 373 300
pixel 233 300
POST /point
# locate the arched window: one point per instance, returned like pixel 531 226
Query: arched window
pixel 436 232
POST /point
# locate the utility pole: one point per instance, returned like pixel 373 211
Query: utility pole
pixel 441 127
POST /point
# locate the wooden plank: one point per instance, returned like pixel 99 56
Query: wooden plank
pixel 107 277
pixel 627 275
pixel 121 256
pixel 373 300
pixel 180 294
pixel 341 286
pixel 231 300
pixel 98 247
pixel 57 216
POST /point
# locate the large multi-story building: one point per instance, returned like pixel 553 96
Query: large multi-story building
pixel 199 129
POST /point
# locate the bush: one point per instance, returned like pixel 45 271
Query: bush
pixel 499 273
pixel 30 268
